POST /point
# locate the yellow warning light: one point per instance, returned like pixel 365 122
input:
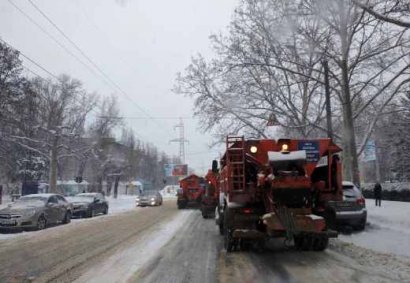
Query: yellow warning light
pixel 254 149
pixel 285 147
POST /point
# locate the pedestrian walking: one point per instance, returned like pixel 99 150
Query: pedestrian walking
pixel 377 190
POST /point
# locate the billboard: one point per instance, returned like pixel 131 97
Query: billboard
pixel 369 153
pixel 173 170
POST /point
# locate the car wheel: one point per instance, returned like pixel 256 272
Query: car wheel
pixel 41 223
pixel 90 213
pixel 67 217
pixel 361 226
pixel 105 210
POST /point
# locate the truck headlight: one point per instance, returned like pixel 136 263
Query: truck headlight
pixel 285 148
pixel 254 149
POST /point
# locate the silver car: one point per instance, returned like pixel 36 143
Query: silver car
pixel 149 199
pixel 35 211
pixel 352 211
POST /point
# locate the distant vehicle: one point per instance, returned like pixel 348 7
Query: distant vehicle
pixel 36 211
pixel 352 211
pixel 88 204
pixel 191 191
pixel 149 199
pixel 210 197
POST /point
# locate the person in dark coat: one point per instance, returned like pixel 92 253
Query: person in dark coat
pixel 377 190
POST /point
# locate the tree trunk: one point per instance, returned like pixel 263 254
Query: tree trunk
pixel 116 182
pixel 350 161
pixel 100 184
pixel 109 186
pixel 53 168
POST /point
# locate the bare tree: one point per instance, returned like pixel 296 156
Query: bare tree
pixel 270 63
pixel 392 11
pixel 63 107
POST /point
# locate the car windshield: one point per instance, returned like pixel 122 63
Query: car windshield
pixel 81 198
pixel 30 201
pixel 348 187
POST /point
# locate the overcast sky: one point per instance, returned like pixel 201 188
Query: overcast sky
pixel 139 44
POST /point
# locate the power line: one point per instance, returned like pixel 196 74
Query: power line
pixel 87 57
pixel 144 118
pixel 54 39
pixel 31 60
pixel 34 73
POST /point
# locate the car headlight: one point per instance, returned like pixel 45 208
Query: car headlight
pixel 152 199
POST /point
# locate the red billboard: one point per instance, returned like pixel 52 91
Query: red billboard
pixel 176 170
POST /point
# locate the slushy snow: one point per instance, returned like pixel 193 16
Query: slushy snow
pixel 387 230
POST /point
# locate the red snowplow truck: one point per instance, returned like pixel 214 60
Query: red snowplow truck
pixel 191 190
pixel 278 189
pixel 210 198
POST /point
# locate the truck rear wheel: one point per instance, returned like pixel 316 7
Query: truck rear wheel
pixel 181 204
pixel 228 240
pixel 320 244
pixel 221 228
pixel 303 242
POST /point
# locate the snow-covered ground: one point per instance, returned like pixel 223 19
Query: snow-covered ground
pixel 121 204
pixel 388 228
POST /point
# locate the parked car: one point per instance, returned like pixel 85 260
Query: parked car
pixel 352 211
pixel 35 211
pixel 149 199
pixel 88 204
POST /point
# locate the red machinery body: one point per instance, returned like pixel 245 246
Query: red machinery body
pixel 278 189
pixel 191 191
pixel 210 198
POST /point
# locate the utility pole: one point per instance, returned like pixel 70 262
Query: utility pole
pixel 328 105
pixel 181 140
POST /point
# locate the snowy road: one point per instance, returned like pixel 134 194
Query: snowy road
pixel 164 244
pixel 63 253
pixel 195 254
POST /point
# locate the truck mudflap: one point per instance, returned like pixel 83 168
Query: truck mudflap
pixel 248 234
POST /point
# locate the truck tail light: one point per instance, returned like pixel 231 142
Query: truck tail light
pixel 247 210
pixel 361 201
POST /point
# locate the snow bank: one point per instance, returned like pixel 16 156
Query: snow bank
pixel 169 192
pixel 168 196
pixel 388 228
pixel 369 261
pixel 121 204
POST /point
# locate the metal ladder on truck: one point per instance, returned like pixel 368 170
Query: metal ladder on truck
pixel 235 157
